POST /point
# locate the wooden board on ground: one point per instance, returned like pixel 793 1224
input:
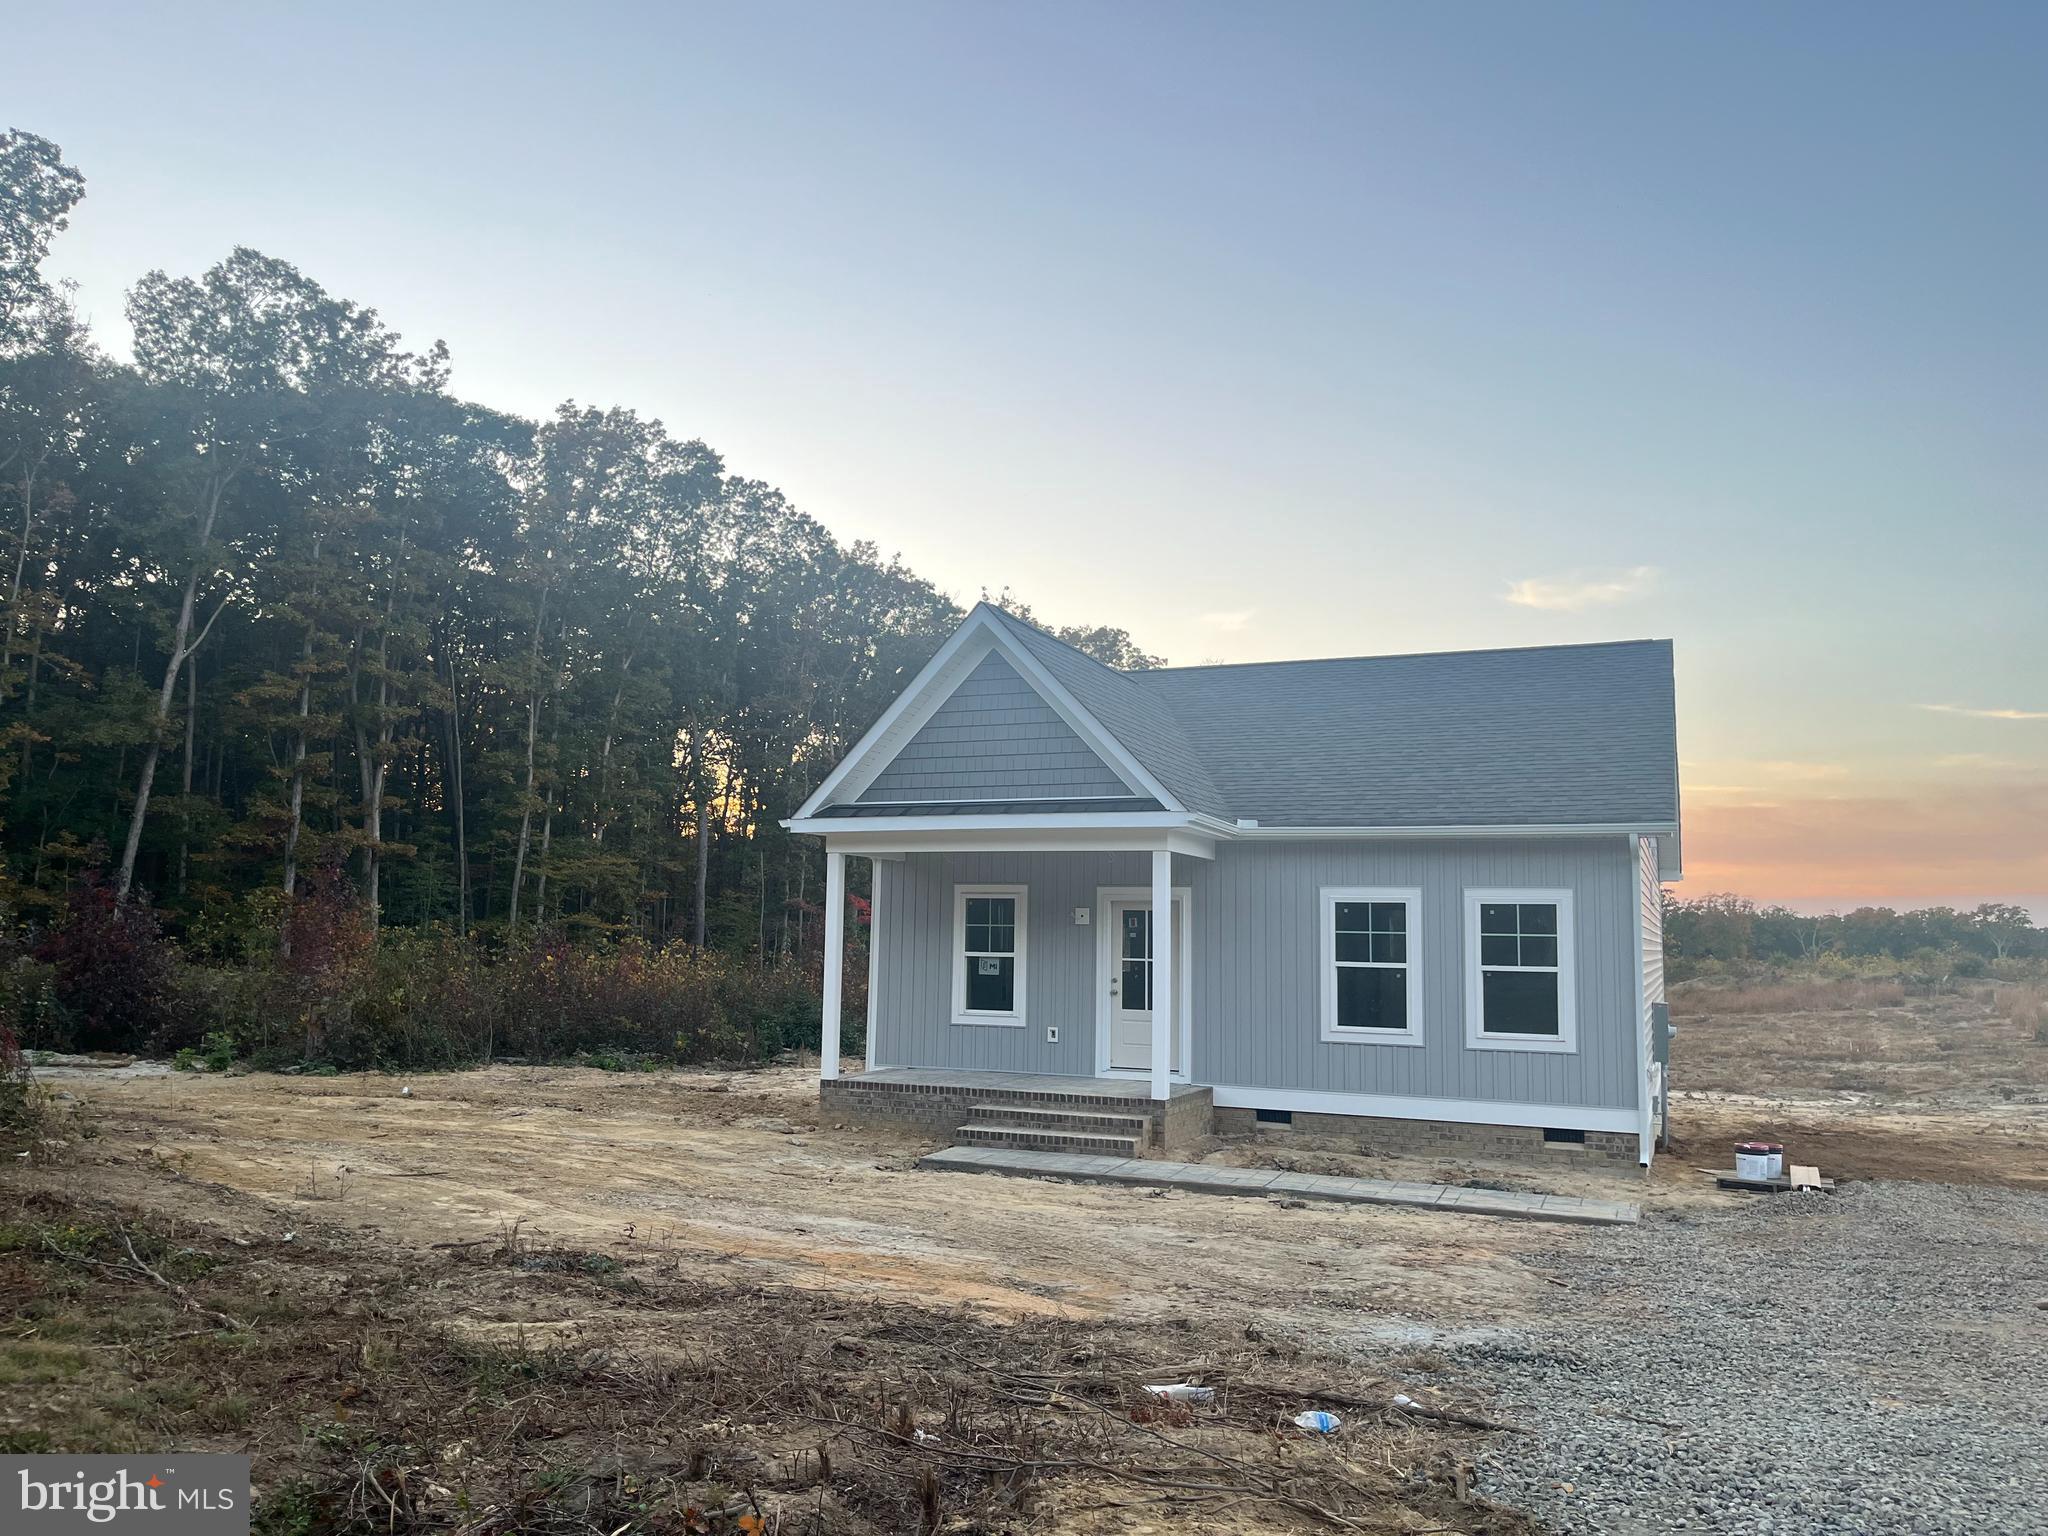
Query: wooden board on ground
pixel 1799 1178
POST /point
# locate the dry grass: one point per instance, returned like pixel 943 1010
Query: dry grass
pixel 1985 1044
pixel 1819 996
pixel 2026 1007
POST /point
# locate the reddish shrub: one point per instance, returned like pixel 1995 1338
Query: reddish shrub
pixel 111 970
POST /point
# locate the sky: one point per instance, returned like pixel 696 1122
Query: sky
pixel 1262 331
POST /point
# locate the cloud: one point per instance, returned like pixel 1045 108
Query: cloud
pixel 1746 777
pixel 1805 773
pixel 1990 761
pixel 1232 622
pixel 1987 714
pixel 1582 589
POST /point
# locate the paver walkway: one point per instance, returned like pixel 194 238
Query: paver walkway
pixel 1198 1178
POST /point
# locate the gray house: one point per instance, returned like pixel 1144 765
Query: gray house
pixel 1413 898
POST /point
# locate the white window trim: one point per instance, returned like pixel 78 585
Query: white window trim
pixel 1334 1033
pixel 1012 1017
pixel 1477 1036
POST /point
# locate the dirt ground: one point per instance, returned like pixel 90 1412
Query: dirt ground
pixel 1938 1087
pixel 595 1242
pixel 783 1285
pixel 732 1174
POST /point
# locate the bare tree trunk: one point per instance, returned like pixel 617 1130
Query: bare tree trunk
pixel 802 870
pixel 373 760
pixel 191 739
pixel 532 738
pixel 601 793
pixel 297 793
pixel 28 707
pixel 455 793
pixel 698 777
pixel 28 523
pixel 296 796
pixel 540 889
pixel 182 646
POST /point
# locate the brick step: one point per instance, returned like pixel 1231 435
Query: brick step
pixel 1062 1119
pixel 1030 1138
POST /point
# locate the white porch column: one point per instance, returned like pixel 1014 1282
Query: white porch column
pixel 874 948
pixel 1162 973
pixel 835 959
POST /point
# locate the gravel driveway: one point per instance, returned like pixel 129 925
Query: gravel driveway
pixel 1872 1361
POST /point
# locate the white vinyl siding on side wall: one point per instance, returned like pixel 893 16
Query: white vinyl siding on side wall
pixel 1650 890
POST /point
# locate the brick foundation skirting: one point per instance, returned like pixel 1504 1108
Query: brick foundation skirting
pixel 1444 1138
pixel 939 1110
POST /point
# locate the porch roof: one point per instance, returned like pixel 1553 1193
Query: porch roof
pixel 869 810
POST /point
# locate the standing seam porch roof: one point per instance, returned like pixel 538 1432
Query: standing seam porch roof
pixel 1542 736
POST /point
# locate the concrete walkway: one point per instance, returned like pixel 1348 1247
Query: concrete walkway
pixel 1197 1178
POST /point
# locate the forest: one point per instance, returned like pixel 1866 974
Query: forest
pixel 296 638
pixel 346 722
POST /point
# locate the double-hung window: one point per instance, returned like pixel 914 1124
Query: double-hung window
pixel 1371 965
pixel 988 954
pixel 1519 992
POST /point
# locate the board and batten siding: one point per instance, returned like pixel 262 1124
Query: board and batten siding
pixel 994 739
pixel 1255 958
pixel 914 959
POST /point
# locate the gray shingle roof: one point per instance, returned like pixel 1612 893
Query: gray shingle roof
pixel 1548 736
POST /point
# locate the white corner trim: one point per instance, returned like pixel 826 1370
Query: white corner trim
pixel 1560 1117
pixel 1410 897
pixel 1477 1037
pixel 1013 1017
pixel 874 949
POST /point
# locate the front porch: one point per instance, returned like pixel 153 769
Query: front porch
pixel 1025 1110
pixel 1004 953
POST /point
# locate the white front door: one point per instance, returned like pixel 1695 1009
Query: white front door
pixel 1129 953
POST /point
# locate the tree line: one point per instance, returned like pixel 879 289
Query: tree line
pixel 1735 929
pixel 278 600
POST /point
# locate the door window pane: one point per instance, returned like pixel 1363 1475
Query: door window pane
pixel 1134 984
pixel 1135 990
pixel 1137 934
